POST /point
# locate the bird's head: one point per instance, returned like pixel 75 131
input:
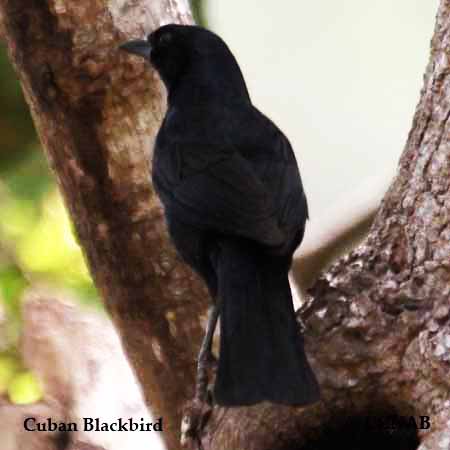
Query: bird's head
pixel 189 57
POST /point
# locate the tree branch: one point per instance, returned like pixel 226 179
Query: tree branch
pixel 378 327
pixel 97 111
pixel 338 231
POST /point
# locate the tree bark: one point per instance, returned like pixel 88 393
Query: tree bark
pixel 97 111
pixel 378 323
pixel 339 230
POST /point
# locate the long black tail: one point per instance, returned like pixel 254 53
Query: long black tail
pixel 261 350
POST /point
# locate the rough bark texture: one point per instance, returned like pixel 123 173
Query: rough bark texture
pixel 378 323
pixel 97 110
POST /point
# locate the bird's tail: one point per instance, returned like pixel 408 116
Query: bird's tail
pixel 261 350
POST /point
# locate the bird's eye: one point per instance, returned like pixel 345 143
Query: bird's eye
pixel 164 39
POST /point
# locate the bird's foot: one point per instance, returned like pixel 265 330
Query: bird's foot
pixel 195 417
pixel 197 412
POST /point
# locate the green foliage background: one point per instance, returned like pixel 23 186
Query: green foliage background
pixel 37 245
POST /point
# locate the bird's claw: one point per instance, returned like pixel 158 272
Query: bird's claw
pixel 194 420
pixel 199 409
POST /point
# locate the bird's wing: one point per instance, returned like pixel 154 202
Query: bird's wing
pixel 282 177
pixel 271 157
pixel 219 191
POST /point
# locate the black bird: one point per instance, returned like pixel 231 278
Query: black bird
pixel 236 212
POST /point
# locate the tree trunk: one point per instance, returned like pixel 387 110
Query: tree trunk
pixel 97 110
pixel 378 323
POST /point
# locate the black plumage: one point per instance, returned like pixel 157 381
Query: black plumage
pixel 236 212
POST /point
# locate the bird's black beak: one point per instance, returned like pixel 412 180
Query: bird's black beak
pixel 138 47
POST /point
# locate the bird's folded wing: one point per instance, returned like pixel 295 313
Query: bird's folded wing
pixel 227 197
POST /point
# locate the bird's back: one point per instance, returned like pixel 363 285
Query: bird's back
pixel 195 139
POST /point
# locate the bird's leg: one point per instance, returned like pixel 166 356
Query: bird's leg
pixel 197 412
pixel 205 356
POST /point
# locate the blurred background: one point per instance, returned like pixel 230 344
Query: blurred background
pixel 341 79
